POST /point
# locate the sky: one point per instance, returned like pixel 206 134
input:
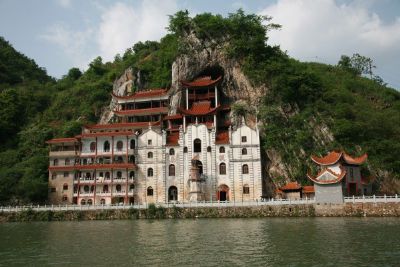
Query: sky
pixel 61 34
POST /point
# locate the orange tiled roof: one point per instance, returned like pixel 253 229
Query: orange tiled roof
pixel 200 108
pixel 62 140
pixel 355 161
pixel 222 137
pixel 172 139
pixel 142 111
pixel 291 186
pixel 122 125
pixel 308 189
pixel 329 159
pixel 337 176
pixel 94 166
pixel 201 82
pixel 143 94
pixel 125 133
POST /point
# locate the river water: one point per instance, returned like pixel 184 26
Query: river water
pixel 204 242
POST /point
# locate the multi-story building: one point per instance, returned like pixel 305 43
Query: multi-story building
pixel 148 155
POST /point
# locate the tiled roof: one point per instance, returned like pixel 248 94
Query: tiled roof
pixel 291 186
pixel 172 139
pixel 142 111
pixel 62 140
pixel 222 137
pixel 200 108
pixel 201 82
pixel 355 161
pixel 329 159
pixel 173 117
pixel 143 94
pixel 85 135
pixel 95 166
pixel 122 125
pixel 336 177
pixel 308 189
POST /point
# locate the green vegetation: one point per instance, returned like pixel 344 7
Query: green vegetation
pixel 362 113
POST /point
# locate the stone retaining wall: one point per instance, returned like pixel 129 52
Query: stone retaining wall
pixel 153 212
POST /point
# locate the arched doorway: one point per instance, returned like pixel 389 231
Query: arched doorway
pixel 173 193
pixel 223 193
pixel 131 200
pixel 199 165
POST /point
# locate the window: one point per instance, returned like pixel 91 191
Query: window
pixel 66 174
pixel 131 187
pixel 245 169
pixel 149 191
pixel 246 189
pixel 222 150
pixel 149 142
pixel 83 202
pixel 64 198
pixel 101 174
pixel 120 146
pixel 150 155
pixel 133 144
pixel 244 151
pixel 65 187
pixel 244 139
pixel 53 176
pixel 171 170
pixel 197 145
pixel 119 160
pixel 88 175
pixel 118 188
pixel 92 147
pixel 102 201
pixel 171 152
pixel 208 149
pixel 149 172
pixel 106 146
pixel 132 159
pixel 67 162
pixel 86 189
pixel 131 174
pixel 90 202
pixel 55 162
pixel 107 175
pixel 84 161
pixel 185 149
pixel 105 188
pixel 222 169
pixel 52 189
pixel 119 175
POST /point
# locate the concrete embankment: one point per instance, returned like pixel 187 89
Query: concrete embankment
pixel 154 212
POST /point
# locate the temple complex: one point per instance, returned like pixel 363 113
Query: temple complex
pixel 149 153
pixel 339 176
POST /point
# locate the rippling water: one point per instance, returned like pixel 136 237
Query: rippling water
pixel 204 242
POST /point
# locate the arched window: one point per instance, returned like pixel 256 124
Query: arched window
pixel 131 187
pixel 131 159
pixel 119 159
pixel 149 172
pixel 171 170
pixel 101 174
pixel 53 175
pixel 208 149
pixel 172 152
pixel 102 201
pixel 132 174
pixel 65 186
pixel 55 162
pixel 222 168
pixel 83 202
pixel 106 146
pixel 185 149
pixel 246 189
pixel 197 145
pixel 132 144
pixel 107 175
pixel 92 147
pixel 119 174
pixel 245 169
pixel 120 146
pixel 86 189
pixel 150 155
pixel 105 188
pixel 149 191
pixel 84 161
pixel 64 198
pixel 89 202
pixel 88 175
pixel 67 161
pixel 222 150
pixel 118 188
pixel 244 151
pixel 173 193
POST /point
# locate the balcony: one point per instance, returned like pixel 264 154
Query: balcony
pixel 70 153
pixel 119 193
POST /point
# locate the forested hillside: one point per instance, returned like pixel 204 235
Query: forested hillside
pixel 355 113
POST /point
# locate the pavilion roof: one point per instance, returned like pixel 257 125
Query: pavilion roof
pixel 201 82
pixel 327 176
pixel 222 137
pixel 153 93
pixel 334 156
pixel 199 108
pixel 143 111
pixel 291 186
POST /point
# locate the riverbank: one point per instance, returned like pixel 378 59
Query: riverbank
pixel 157 212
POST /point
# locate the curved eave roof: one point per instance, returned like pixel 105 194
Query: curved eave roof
pixel 330 159
pixel 155 93
pixel 355 161
pixel 198 111
pixel 336 178
pixel 202 82
pixel 89 135
pixel 122 125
